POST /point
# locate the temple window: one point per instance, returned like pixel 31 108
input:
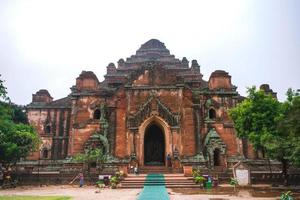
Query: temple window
pixel 97 114
pixel 45 153
pixel 48 129
pixel 212 113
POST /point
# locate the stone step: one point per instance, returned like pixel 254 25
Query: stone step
pixel 158 169
pixel 183 183
pixel 168 186
pixel 145 174
pixel 170 181
pixel 167 181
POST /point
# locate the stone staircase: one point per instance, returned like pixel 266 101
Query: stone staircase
pixel 170 181
pixel 158 170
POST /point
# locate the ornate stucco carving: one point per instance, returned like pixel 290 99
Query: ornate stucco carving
pixel 213 141
pixel 100 139
pixel 153 106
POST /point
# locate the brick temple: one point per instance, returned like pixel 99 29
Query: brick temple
pixel 150 105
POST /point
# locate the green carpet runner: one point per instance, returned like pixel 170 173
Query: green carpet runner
pixel 154 188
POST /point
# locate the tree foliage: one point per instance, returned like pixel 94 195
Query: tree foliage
pixel 256 117
pixel 91 156
pixel 289 127
pixel 17 139
pixel 270 125
pixel 3 91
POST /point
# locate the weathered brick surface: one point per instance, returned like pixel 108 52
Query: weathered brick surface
pixel 121 136
pixel 227 135
pixel 154 75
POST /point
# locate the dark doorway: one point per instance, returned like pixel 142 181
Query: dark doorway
pixel 154 146
pixel 45 153
pixel 217 157
pixel 212 114
pixel 97 114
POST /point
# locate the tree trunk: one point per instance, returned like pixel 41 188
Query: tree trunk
pixel 269 163
pixel 89 169
pixel 285 171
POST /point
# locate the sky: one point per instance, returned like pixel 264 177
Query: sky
pixel 45 44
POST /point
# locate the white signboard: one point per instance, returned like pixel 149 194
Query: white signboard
pixel 242 176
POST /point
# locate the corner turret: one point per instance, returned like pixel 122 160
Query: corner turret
pixel 220 79
pixel 42 96
pixel 87 80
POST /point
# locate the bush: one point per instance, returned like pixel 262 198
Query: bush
pixel 233 182
pixel 195 173
pixel 100 184
pixel 199 180
pixel 114 182
pixel 286 196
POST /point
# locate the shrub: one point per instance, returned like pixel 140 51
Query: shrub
pixel 114 182
pixel 286 196
pixel 195 173
pixel 100 184
pixel 199 180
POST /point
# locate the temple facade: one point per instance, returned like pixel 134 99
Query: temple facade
pixel 149 106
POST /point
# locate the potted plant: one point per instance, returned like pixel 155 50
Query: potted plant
pixel 114 182
pixel 233 182
pixel 200 180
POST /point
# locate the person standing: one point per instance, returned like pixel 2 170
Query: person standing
pixel 136 170
pixel 81 178
pixel 169 161
pixel 1 175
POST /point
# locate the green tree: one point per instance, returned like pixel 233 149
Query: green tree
pixel 19 114
pixel 91 156
pixel 3 91
pixel 289 126
pixel 17 140
pixel 257 118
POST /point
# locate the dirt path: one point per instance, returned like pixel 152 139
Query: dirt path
pixel 89 193
pixel 85 193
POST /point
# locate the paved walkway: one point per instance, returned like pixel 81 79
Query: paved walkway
pixel 154 188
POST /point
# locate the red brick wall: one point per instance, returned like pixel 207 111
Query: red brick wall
pixel 187 122
pixel 121 139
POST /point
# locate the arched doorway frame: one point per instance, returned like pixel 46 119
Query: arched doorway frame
pixel 142 130
pixel 156 136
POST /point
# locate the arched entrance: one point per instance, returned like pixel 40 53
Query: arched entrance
pixel 154 145
pixel 217 157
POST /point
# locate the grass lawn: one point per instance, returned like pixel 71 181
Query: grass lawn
pixel 34 197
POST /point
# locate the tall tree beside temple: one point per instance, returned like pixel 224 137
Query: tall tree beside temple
pixel 290 126
pixel 256 117
pixel 270 126
pixel 17 140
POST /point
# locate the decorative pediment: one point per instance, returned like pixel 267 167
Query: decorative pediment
pixel 213 141
pixel 153 106
pixel 212 103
